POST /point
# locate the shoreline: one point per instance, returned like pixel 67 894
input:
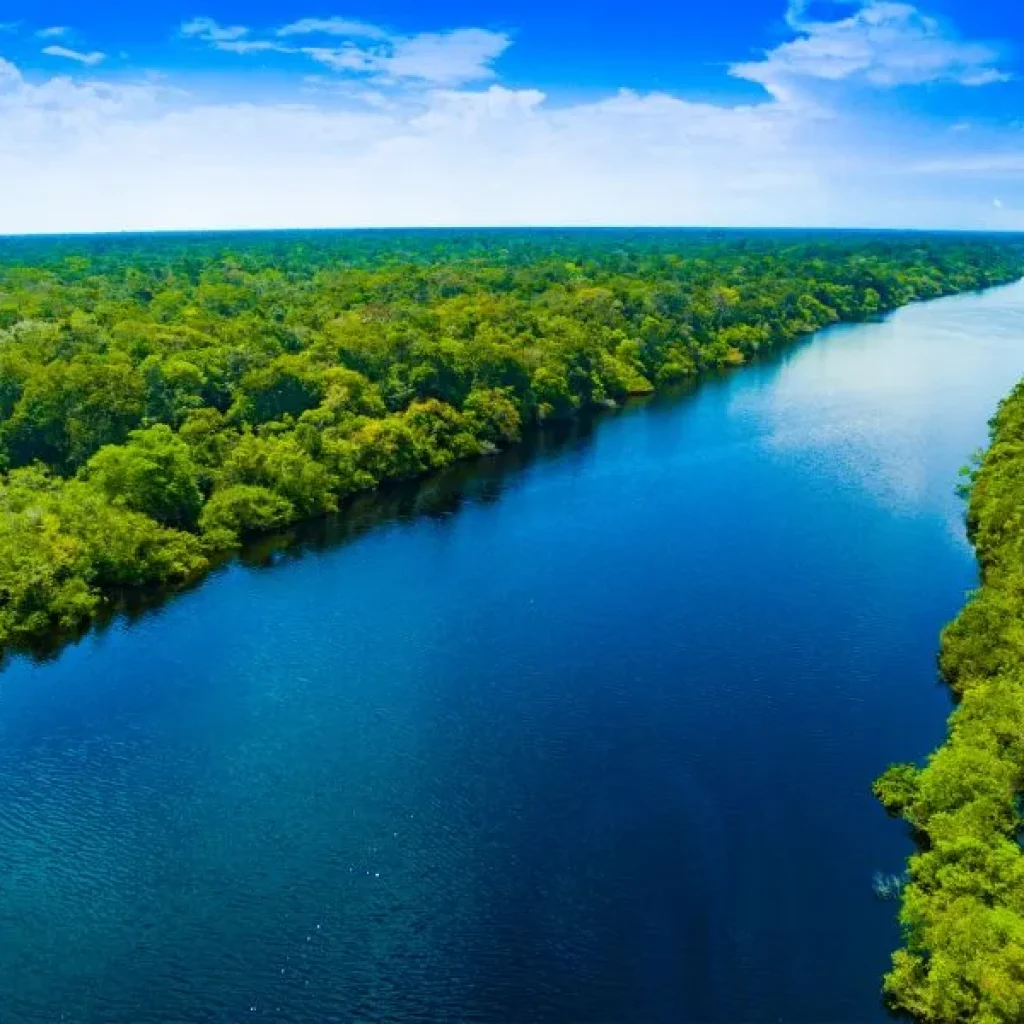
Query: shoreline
pixel 962 904
pixel 364 510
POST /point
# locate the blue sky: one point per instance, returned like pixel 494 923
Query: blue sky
pixel 267 114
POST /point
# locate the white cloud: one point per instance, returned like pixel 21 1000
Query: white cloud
pixel 229 38
pixel 9 74
pixel 89 59
pixel 881 43
pixel 397 137
pixel 105 156
pixel 54 32
pixel 464 55
pixel 210 31
pixel 346 27
pixel 439 58
pixel 244 46
pixel 448 58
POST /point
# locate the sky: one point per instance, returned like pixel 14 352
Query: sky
pixel 191 114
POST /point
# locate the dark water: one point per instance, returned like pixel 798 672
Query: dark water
pixel 591 741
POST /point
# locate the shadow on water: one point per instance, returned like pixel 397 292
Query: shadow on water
pixel 439 496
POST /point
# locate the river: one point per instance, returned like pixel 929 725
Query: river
pixel 584 733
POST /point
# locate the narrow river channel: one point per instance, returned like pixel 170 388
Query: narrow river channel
pixel 583 734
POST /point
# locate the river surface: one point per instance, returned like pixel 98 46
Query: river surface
pixel 583 734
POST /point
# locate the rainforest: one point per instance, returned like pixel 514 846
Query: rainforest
pixel 169 402
pixel 165 398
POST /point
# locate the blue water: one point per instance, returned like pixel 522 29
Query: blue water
pixel 582 734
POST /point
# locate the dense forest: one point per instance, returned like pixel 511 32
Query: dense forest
pixel 163 398
pixel 963 908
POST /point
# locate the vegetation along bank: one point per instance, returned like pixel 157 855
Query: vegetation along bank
pixel 963 906
pixel 162 398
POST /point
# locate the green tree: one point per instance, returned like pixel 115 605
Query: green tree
pixel 153 473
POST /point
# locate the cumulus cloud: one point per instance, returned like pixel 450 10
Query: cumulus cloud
pixel 359 49
pixel 89 59
pixel 210 31
pixel 881 43
pixel 441 58
pixel 54 32
pixel 402 133
pixel 9 74
pixel 110 156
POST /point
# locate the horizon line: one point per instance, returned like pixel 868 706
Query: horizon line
pixel 379 228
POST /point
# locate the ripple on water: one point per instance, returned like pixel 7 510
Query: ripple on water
pixel 597 748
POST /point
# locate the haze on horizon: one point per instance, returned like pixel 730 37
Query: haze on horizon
pixel 851 113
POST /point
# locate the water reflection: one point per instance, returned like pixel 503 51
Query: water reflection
pixel 580 734
pixel 439 496
pixel 891 407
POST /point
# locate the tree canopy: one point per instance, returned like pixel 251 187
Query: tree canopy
pixel 163 398
pixel 963 909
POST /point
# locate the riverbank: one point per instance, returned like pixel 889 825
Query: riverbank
pixel 963 909
pixel 157 422
pixel 722 607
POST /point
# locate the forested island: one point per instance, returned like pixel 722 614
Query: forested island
pixel 163 398
pixel 963 907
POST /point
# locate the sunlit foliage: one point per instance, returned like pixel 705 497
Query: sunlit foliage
pixel 164 398
pixel 963 910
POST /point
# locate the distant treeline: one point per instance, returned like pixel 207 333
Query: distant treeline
pixel 164 397
pixel 963 909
